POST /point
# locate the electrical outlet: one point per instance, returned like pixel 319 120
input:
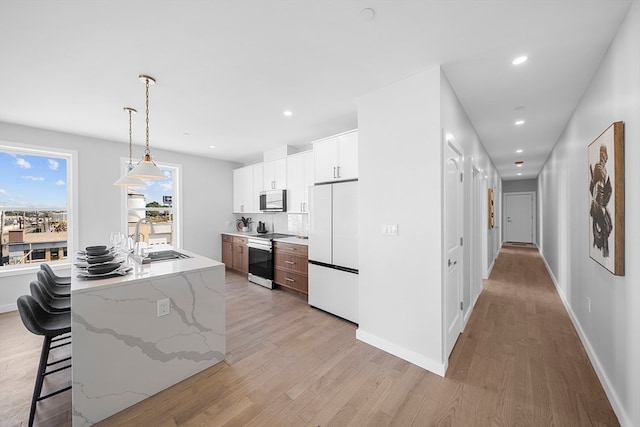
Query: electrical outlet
pixel 589 304
pixel 164 307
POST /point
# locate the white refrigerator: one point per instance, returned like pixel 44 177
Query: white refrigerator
pixel 333 249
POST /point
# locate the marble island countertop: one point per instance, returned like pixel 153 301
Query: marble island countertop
pixel 146 271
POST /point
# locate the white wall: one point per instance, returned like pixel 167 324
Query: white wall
pixel 206 191
pixel 400 172
pixel 456 122
pixel 399 163
pixel 520 185
pixel 611 331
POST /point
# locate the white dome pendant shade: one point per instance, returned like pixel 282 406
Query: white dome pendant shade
pixel 146 168
pixel 125 180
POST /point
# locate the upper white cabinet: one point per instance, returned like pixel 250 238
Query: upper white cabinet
pixel 275 175
pixel 336 158
pixel 247 184
pixel 299 178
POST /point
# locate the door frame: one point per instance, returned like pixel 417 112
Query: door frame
pixel 534 228
pixel 449 141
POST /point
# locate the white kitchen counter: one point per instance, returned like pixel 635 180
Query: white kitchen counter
pixel 293 239
pixel 122 352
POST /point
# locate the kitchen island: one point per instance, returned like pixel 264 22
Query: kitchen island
pixel 124 352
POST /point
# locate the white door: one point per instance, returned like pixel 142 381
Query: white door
pixel 453 248
pixel 320 227
pixel 345 224
pixel 325 154
pixel 348 156
pixel 296 189
pixel 519 217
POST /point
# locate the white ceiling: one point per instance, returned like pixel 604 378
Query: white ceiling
pixel 226 70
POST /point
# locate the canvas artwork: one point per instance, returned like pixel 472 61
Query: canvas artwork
pixel 491 212
pixel 606 199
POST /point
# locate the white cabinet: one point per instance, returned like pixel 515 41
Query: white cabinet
pixel 299 179
pixel 247 184
pixel 336 158
pixel 274 175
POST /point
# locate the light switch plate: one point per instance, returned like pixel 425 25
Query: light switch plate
pixel 389 229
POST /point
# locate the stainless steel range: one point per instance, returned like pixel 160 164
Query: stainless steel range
pixel 261 258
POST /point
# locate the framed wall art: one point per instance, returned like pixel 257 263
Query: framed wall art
pixel 491 210
pixel 606 199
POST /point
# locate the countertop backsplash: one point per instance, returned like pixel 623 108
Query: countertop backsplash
pixel 281 222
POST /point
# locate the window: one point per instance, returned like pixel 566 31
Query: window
pixel 35 200
pixel 158 201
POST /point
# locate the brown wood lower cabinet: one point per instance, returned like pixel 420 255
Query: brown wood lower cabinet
pixel 290 266
pixel 235 254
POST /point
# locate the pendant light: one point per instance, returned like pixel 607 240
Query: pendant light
pixel 146 168
pixel 125 180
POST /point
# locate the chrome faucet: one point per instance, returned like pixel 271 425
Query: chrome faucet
pixel 140 221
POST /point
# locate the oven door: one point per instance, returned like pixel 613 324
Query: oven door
pixel 261 262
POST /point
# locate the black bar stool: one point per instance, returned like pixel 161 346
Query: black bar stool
pixel 58 280
pixel 47 301
pixel 60 291
pixel 54 327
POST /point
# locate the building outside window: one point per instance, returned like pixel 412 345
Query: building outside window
pixel 34 205
pixel 158 201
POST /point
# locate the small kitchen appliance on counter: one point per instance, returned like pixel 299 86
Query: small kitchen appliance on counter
pixel 261 227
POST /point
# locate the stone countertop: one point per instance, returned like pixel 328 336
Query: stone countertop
pixel 146 272
pixel 291 239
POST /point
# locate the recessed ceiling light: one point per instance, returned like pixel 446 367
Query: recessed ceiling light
pixel 519 150
pixel 519 173
pixel 519 122
pixel 519 60
pixel 288 113
pixel 212 146
pixel 367 14
pixel 519 163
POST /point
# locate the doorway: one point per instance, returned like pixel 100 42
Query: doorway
pixel 453 268
pixel 519 217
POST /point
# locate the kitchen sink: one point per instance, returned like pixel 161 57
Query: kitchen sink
pixel 159 256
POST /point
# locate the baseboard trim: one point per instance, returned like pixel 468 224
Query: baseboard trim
pixel 490 269
pixel 8 307
pixel 403 353
pixel 622 415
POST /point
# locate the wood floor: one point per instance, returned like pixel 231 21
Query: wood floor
pixel 519 362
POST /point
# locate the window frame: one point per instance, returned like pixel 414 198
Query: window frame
pixel 176 199
pixel 71 157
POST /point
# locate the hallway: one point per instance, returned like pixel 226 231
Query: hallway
pixel 520 354
pixel 519 362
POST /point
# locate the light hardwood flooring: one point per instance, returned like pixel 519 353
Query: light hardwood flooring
pixel 519 362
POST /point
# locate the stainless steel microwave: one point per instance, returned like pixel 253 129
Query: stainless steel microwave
pixel 273 201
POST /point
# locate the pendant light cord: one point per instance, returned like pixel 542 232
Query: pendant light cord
pixel 147 151
pixel 130 141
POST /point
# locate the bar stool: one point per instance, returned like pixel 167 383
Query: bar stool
pixel 60 291
pixel 47 301
pixel 53 327
pixel 58 280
